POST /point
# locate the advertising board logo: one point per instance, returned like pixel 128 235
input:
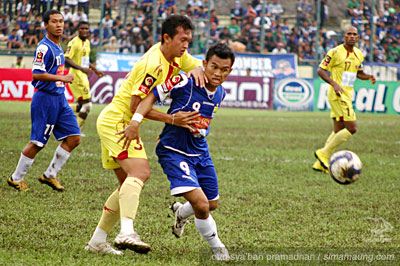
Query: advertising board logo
pixel 293 94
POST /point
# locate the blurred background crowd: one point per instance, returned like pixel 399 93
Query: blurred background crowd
pixel 127 25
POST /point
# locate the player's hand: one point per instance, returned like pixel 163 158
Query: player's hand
pixel 372 79
pixel 68 78
pixel 86 70
pixel 99 73
pixel 129 133
pixel 199 76
pixel 338 89
pixel 186 119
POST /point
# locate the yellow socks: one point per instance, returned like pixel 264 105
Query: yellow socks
pixel 129 197
pixel 81 121
pixel 73 106
pixel 111 212
pixel 330 137
pixel 340 137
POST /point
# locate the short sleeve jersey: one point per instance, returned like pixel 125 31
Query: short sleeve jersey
pixel 186 96
pixel 49 58
pixel 78 51
pixel 343 66
pixel 151 70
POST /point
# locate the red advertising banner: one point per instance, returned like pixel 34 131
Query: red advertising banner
pixel 242 92
pixel 15 85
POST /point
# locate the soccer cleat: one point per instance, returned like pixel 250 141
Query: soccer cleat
pixel 132 242
pixel 322 158
pixel 52 182
pixel 221 253
pixel 318 167
pixel 179 224
pixel 103 248
pixel 17 185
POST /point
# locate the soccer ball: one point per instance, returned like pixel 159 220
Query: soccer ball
pixel 345 167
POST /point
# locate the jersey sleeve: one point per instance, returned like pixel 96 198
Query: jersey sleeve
pixel 70 50
pixel 328 60
pixel 171 85
pixel 143 79
pixel 42 58
pixel 188 62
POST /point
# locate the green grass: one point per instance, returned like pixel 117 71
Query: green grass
pixel 270 199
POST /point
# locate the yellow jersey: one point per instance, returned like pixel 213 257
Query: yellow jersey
pixel 151 70
pixel 78 51
pixel 343 66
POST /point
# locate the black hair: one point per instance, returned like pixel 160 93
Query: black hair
pixel 171 24
pixel 82 23
pixel 46 16
pixel 222 50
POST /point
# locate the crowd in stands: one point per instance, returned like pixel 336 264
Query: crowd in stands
pixel 247 21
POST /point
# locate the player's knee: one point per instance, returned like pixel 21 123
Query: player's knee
pixel 73 141
pixel 352 129
pixel 202 208
pixel 213 205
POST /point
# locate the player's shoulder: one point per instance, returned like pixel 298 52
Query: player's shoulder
pixel 73 41
pixel 358 53
pixel 336 50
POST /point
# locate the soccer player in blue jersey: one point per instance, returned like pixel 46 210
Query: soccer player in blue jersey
pixel 183 153
pixel 50 112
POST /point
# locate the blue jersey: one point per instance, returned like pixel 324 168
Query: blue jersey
pixel 49 58
pixel 186 96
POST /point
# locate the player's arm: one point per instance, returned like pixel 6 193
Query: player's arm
pixel 324 75
pixel 53 78
pixel 364 76
pixel 98 72
pixel 70 63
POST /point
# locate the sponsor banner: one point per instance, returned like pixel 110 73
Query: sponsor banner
pixel 248 92
pixel 242 92
pixel 293 94
pixel 261 65
pixel 383 71
pixel 15 85
pixel 382 97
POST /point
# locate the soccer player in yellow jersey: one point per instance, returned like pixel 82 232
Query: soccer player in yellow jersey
pixel 128 160
pixel 345 64
pixel 77 57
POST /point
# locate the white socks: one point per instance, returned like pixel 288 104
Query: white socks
pixel 208 229
pixel 126 226
pixel 22 168
pixel 186 210
pixel 60 158
pixel 99 236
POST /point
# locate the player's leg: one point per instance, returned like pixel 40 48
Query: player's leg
pixel 317 166
pixel 83 109
pixel 66 130
pixel 344 124
pixel 43 119
pixel 138 171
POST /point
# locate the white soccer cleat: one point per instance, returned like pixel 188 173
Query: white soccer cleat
pixel 132 242
pixel 221 253
pixel 179 224
pixel 103 248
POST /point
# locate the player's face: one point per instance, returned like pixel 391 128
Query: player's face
pixel 351 37
pixel 217 70
pixel 83 31
pixel 56 25
pixel 180 42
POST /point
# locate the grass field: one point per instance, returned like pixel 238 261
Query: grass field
pixel 271 202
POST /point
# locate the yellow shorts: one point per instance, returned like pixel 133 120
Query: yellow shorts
pixel 342 110
pixel 109 122
pixel 80 88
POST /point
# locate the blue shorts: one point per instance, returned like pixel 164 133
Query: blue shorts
pixel 51 114
pixel 188 173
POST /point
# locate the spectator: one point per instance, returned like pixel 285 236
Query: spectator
pixel 72 5
pixel 285 28
pixel 124 7
pixel 171 4
pixel 124 44
pixel 139 18
pixel 213 33
pixel 60 3
pixel 107 7
pixel 270 42
pixel 195 4
pixel 391 20
pixel 95 41
pixel 111 46
pixel 234 29
pixel 250 13
pixel 79 16
pixel 147 7
pixel 237 11
pixel 396 33
pixel 293 43
pixel 20 32
pixel 258 21
pixel 214 17
pixel 4 24
pixel 353 7
pixel 224 35
pixel 275 9
pixel 302 9
pixel 245 34
pixel 117 26
pixel 395 50
pixel 18 63
pixel 138 46
pixel 205 5
pixel 24 24
pixel 68 33
pixel 14 42
pixel 24 9
pixel 66 14
pixel 107 23
pixel 279 49
pixel 84 6
pixel 7 8
pixel 31 36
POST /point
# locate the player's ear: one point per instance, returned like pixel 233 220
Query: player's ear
pixel 167 38
pixel 204 64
